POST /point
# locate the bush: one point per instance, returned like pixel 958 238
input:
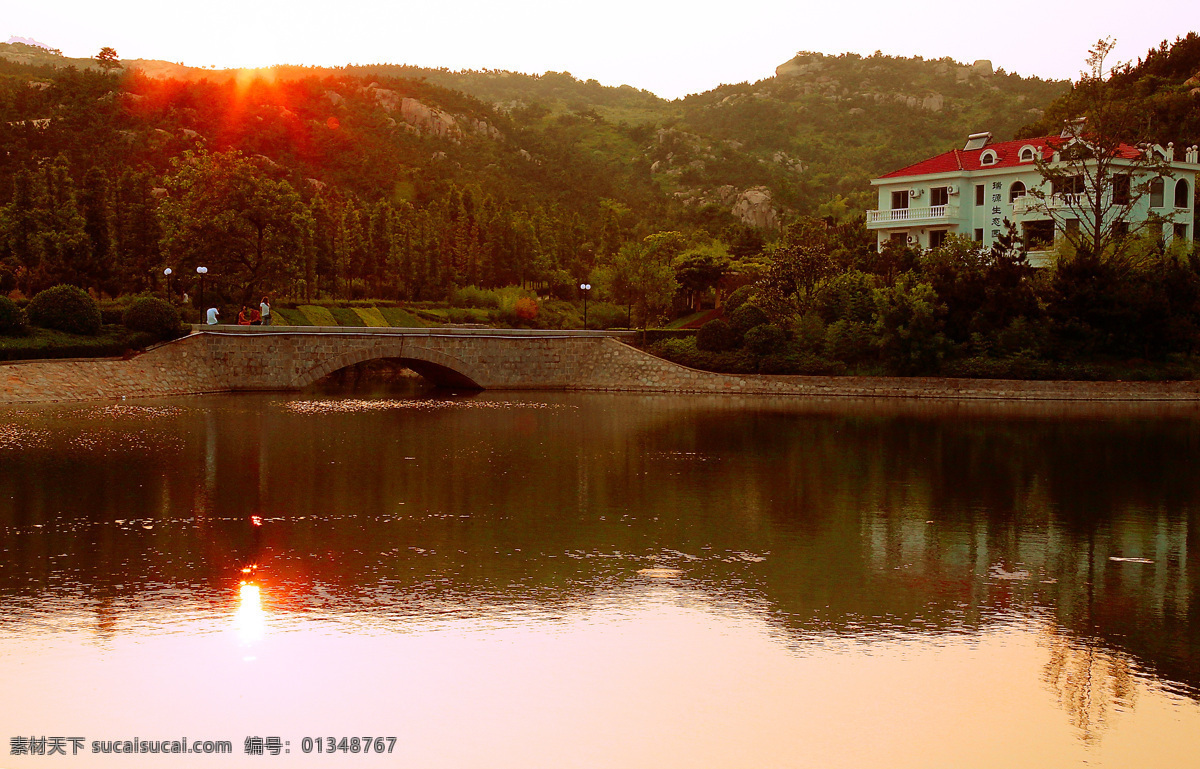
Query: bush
pixel 12 318
pixel 738 298
pixel 526 308
pixel 65 308
pixel 766 339
pixel 153 316
pixel 471 296
pixel 745 318
pixel 715 336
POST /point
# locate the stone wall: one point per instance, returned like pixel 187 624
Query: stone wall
pixel 275 359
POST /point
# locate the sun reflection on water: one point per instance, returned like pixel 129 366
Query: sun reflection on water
pixel 250 620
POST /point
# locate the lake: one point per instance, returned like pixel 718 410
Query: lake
pixel 568 580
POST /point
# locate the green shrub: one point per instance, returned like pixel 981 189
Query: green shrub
pixel 153 316
pixel 715 336
pixel 65 308
pixel 738 298
pixel 472 296
pixel 766 339
pixel 745 318
pixel 12 318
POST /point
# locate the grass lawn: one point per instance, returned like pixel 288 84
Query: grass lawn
pixel 42 343
pixel 346 316
pixel 370 316
pixel 317 316
pixel 398 317
pixel 289 318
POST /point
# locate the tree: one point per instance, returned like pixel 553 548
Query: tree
pixel 1103 166
pixel 701 268
pixel 107 59
pixel 224 212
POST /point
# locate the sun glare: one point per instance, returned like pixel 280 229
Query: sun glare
pixel 250 620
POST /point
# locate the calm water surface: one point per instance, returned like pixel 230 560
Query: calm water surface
pixel 553 580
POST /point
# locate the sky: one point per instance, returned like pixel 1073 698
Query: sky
pixel 669 48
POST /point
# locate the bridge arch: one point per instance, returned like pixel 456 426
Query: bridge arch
pixel 438 367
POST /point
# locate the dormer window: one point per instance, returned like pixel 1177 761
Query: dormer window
pixel 1028 154
pixel 987 159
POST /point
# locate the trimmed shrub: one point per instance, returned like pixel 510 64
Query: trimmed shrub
pixel 65 308
pixel 745 318
pixel 766 339
pixel 153 316
pixel 715 336
pixel 12 318
pixel 739 297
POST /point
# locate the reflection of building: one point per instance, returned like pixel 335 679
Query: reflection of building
pixel 972 191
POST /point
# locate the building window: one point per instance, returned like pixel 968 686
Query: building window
pixel 898 239
pixel 978 235
pixel 1017 190
pixel 979 194
pixel 1183 196
pixel 1068 185
pixel 1071 227
pixel 1156 193
pixel 1120 229
pixel 1027 154
pixel 939 196
pixel 899 199
pixel 1121 196
pixel 987 159
pixel 1180 231
pixel 1039 235
pixel 937 238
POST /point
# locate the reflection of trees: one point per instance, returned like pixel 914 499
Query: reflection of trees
pixel 1090 683
pixel 508 505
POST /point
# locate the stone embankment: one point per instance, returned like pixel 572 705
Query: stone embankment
pixel 231 360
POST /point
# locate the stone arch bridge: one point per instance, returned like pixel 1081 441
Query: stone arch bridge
pixel 232 358
pixel 289 358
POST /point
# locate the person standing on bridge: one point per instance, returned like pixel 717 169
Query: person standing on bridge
pixel 212 316
pixel 264 311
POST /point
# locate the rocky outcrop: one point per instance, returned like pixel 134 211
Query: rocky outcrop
pixel 755 207
pixel 429 119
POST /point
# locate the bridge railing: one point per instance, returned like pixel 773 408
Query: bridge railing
pixel 203 328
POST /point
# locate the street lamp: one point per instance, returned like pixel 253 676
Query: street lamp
pixel 585 288
pixel 167 273
pixel 201 271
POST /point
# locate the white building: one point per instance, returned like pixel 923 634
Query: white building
pixel 972 191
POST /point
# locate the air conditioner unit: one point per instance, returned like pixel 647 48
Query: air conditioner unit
pixel 952 190
pixel 915 193
pixel 912 238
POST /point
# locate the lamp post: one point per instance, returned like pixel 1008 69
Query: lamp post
pixel 585 288
pixel 201 271
pixel 167 273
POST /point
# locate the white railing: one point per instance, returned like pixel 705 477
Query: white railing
pixel 1026 203
pixel 911 214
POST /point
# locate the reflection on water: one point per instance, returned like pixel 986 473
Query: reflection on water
pixel 609 580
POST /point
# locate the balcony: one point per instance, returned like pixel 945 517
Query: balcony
pixel 910 215
pixel 1031 203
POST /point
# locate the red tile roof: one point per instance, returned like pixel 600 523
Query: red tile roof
pixel 1007 155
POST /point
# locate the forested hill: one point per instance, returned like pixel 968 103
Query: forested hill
pixel 822 127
